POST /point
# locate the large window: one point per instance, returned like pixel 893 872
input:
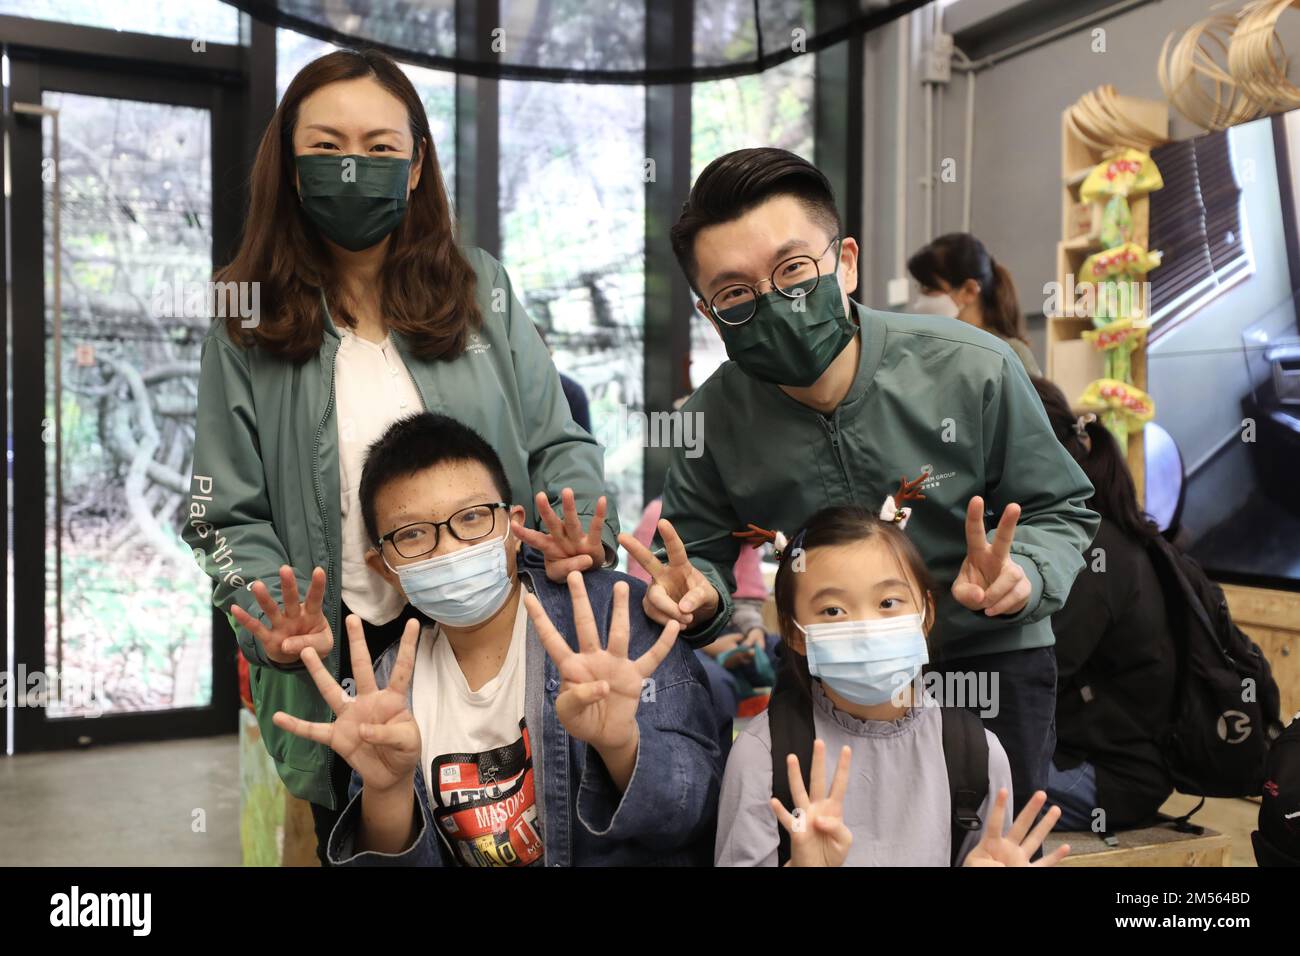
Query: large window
pixel 774 108
pixel 572 206
pixel 208 20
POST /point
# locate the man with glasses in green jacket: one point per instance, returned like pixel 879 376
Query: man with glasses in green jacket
pixel 826 402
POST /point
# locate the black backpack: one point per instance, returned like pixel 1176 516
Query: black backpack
pixel 1216 742
pixel 965 751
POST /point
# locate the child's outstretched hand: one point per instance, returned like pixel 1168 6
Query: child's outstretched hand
pixel 601 687
pixel 818 836
pixel 679 591
pixel 297 626
pixel 375 732
pixel 1020 843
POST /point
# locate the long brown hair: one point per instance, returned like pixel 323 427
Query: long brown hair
pixel 843 524
pixel 959 256
pixel 427 286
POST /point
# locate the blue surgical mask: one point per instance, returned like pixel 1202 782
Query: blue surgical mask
pixel 463 588
pixel 866 661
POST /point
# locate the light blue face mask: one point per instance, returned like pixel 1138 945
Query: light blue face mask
pixel 463 588
pixel 866 662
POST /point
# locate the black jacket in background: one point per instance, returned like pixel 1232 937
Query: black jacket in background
pixel 1116 671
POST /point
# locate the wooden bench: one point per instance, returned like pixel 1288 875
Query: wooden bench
pixel 1153 846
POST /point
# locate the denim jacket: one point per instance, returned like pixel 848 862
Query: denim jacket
pixel 668 813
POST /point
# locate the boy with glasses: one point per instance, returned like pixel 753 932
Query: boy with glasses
pixel 528 722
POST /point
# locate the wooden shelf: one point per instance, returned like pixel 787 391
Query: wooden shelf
pixel 1072 362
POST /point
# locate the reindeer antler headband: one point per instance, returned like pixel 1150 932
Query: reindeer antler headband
pixel 756 537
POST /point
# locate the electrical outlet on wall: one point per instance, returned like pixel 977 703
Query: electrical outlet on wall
pixel 938 59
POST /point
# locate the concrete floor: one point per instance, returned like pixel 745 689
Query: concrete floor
pixel 134 805
pixel 123 805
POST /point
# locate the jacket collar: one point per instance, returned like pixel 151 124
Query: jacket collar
pixel 871 337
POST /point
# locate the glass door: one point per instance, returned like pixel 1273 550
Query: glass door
pixel 110 310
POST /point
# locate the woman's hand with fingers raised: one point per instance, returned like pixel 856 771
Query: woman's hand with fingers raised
pixel 296 626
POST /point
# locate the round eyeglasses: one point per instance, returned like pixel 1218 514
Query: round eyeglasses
pixel 794 278
pixel 419 538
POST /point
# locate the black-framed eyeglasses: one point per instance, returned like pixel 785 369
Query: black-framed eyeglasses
pixel 419 538
pixel 794 278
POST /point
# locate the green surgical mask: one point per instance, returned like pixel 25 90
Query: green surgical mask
pixel 791 341
pixel 355 201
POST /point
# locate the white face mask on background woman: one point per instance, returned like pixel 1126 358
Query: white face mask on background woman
pixel 940 303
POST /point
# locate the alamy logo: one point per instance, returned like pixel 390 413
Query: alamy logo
pixel 103 909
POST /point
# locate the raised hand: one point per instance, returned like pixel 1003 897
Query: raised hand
pixel 600 687
pixel 294 628
pixel 679 590
pixel 567 547
pixel 818 835
pixel 375 732
pixel 1020 843
pixel 989 580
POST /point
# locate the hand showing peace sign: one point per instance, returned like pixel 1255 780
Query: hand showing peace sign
pixel 600 687
pixel 297 627
pixel 680 592
pixel 1020 843
pixel 989 580
pixel 567 547
pixel 375 732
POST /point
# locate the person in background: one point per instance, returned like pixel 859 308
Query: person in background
pixel 745 656
pixel 574 393
pixel 960 279
pixel 1114 652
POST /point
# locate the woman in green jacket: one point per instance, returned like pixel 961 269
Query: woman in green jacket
pixel 366 311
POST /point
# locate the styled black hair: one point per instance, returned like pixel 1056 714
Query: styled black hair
pixel 736 182
pixel 417 443
pixel 1114 495
pixel 959 256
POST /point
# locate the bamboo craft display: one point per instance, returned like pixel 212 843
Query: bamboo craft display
pixel 1072 361
pixel 1229 68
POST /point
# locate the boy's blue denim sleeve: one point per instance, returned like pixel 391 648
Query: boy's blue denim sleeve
pixel 672 798
pixel 341 848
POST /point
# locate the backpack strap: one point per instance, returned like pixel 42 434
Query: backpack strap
pixel 966 754
pixel 790 724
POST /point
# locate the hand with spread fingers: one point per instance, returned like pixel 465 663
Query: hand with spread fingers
pixel 818 834
pixel 565 546
pixel 1020 843
pixel 297 626
pixel 375 732
pixel 600 687
pixel 679 591
pixel 989 580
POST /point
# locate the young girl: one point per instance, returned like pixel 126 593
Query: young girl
pixel 854 603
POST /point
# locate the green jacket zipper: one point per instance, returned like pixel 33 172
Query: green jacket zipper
pixel 329 558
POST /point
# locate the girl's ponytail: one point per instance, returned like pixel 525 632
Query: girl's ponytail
pixel 1002 307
